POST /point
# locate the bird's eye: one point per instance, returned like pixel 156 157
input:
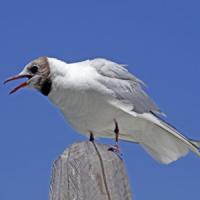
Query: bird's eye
pixel 34 69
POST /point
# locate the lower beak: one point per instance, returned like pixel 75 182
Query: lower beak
pixel 24 84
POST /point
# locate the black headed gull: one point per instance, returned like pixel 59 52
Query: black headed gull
pixel 101 98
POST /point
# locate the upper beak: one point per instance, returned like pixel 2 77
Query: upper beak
pixel 24 84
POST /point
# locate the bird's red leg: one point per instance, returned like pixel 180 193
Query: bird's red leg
pixel 116 147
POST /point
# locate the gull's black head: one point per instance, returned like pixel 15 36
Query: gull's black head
pixel 38 74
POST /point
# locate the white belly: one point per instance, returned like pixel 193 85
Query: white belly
pixel 90 111
pixel 86 111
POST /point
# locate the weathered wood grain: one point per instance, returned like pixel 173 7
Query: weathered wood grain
pixel 88 171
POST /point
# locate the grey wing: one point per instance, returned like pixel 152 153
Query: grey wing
pixel 126 87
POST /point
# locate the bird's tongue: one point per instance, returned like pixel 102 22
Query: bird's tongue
pixel 24 84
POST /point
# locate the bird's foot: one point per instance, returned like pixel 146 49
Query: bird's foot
pixel 116 149
pixel 91 137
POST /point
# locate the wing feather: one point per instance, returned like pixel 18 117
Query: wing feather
pixel 125 87
pixel 160 139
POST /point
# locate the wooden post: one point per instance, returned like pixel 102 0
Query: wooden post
pixel 88 171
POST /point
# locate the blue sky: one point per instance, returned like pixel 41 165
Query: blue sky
pixel 159 40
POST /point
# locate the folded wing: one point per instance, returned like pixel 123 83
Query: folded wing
pixel 157 137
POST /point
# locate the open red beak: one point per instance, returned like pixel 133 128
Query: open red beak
pixel 24 84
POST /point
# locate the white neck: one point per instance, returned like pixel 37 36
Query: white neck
pixel 57 67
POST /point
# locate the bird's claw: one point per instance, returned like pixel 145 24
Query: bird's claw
pixel 116 149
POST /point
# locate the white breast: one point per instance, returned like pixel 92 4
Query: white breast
pixel 86 111
pixel 85 107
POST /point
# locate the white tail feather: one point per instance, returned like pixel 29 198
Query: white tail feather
pixel 195 142
pixel 165 143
